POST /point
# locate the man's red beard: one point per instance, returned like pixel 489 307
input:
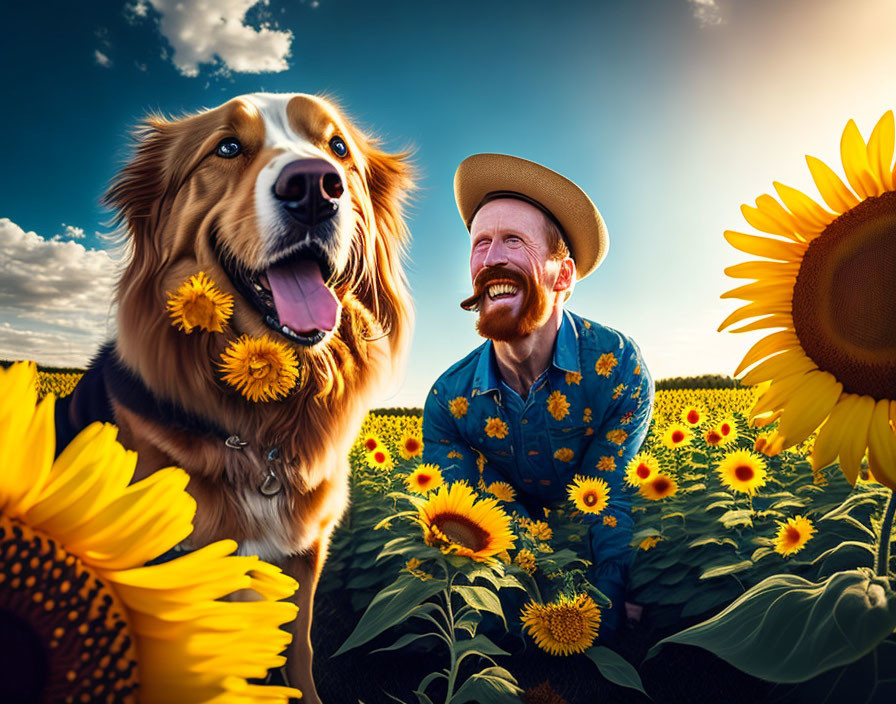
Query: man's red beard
pixel 503 324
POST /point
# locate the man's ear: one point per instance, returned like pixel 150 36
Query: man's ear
pixel 567 276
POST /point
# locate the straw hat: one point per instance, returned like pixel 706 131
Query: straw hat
pixel 480 175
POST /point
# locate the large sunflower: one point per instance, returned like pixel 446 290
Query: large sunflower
pixel 74 536
pixel 455 522
pixel 831 286
pixel 568 626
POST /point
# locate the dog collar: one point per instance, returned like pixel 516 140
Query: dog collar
pixel 128 389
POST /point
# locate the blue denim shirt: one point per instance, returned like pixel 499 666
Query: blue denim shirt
pixel 588 414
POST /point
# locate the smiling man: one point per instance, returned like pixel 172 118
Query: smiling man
pixel 550 401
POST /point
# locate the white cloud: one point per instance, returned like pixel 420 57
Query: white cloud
pixel 136 11
pixel 71 232
pixel 707 12
pixel 209 31
pixel 102 59
pixel 55 297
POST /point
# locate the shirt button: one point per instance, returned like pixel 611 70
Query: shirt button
pixel 524 421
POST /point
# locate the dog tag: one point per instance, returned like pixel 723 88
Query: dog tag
pixel 271 485
pixel 234 442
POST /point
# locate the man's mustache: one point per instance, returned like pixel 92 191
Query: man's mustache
pixel 486 277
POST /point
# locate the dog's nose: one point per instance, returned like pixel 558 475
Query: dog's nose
pixel 309 190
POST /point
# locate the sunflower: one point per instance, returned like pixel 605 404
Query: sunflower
pixel 830 287
pixel 642 467
pixel 713 437
pixel 793 535
pixel 380 458
pixel 539 530
pixel 199 304
pixel 649 542
pixel 526 561
pixel 496 428
pixel 742 470
pixel 661 486
pixel 424 479
pixel 693 415
pixel 370 441
pixel 262 369
pixel 558 405
pixel 589 495
pixel 501 491
pixel 677 435
pixel 458 406
pixel 410 446
pixel 455 522
pixel 74 537
pixel 565 627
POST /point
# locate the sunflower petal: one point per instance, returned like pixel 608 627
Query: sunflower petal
pixel 880 150
pixel 855 439
pixel 752 310
pixel 808 407
pixel 788 362
pixel 766 247
pixel 771 289
pixel 778 320
pixel 770 344
pixel 830 435
pixel 854 155
pixel 762 270
pixel 775 397
pixel 882 445
pixel 835 193
pixel 810 214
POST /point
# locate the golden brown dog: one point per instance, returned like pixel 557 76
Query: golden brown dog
pixel 296 213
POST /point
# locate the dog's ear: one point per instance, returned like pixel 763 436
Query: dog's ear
pixel 136 193
pixel 391 180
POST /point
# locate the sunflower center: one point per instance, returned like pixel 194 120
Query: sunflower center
pixel 643 471
pixel 589 498
pixel 661 485
pixel 677 436
pixel 423 479
pixel 693 416
pixel 792 536
pixel 843 310
pixel 259 367
pixel 743 472
pixel 459 529
pixel 713 437
pixel 566 624
pixel 200 311
pixel 725 428
pixel 74 616
pixel 370 444
pixel 412 445
pixel 380 457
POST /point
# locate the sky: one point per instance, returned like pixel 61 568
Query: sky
pixel 669 113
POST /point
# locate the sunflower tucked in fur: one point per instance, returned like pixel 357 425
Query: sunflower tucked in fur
pixel 568 626
pixel 826 279
pixel 74 537
pixel 261 369
pixel 455 522
pixel 199 304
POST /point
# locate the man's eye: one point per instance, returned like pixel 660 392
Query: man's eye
pixel 228 148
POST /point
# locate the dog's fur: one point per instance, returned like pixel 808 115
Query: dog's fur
pixel 175 199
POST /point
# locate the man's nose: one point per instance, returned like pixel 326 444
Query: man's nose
pixel 496 254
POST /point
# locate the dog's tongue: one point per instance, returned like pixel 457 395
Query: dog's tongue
pixel 302 300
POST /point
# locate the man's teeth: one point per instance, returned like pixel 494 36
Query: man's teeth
pixel 501 290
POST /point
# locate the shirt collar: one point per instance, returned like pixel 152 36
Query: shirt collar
pixel 566 357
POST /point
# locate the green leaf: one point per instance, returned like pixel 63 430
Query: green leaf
pixel 737 517
pixel 712 540
pixel 428 680
pixel 481 599
pixel 722 570
pixel 494 685
pixel 404 640
pixel 409 547
pixel 469 621
pixel 787 629
pixel 391 606
pixel 477 645
pixel 615 668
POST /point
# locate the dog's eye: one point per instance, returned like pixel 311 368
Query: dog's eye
pixel 339 147
pixel 228 148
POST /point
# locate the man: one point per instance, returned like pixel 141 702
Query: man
pixel 549 396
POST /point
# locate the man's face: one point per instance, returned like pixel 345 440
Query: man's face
pixel 511 269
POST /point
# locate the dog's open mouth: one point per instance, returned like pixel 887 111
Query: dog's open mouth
pixel 291 294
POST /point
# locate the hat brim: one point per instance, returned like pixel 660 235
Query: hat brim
pixel 480 174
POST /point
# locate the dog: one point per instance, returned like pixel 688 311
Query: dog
pixel 297 214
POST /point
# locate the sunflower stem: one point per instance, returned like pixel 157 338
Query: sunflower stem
pixel 883 548
pixel 453 674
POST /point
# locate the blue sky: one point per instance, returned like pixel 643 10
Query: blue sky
pixel 668 113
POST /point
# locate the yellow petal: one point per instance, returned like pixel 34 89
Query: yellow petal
pixel 39 445
pixel 854 155
pixel 835 193
pixel 855 439
pixel 808 407
pixel 882 445
pixel 773 223
pixel 762 270
pixel 810 214
pixel 776 396
pixel 770 344
pixel 830 435
pixel 788 362
pixel 880 150
pixel 766 247
pixel 778 288
pixel 752 310
pixel 779 320
pixel 16 414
